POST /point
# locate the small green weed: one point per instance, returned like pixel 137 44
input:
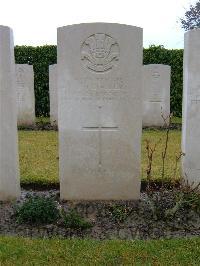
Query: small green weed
pixel 74 221
pixel 120 213
pixel 37 210
pixel 188 197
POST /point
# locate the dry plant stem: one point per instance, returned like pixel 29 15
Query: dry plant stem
pixel 187 188
pixel 177 159
pixel 167 121
pixel 164 154
pixel 150 152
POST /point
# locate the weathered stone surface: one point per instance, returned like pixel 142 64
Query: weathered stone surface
pixel 25 94
pixel 99 111
pixel 156 93
pixel 9 171
pixel 53 94
pixel 191 108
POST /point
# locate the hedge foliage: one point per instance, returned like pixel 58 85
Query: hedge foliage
pixel 43 56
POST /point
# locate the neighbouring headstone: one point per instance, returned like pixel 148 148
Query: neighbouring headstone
pixel 156 93
pixel 25 94
pixel 191 108
pixel 53 94
pixel 9 170
pixel 99 111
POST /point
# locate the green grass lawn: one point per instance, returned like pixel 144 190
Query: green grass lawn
pixel 19 251
pixel 42 119
pixel 38 151
pixel 39 155
pixel 176 120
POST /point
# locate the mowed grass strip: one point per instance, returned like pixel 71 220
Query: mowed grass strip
pixel 39 155
pixel 38 152
pixel 22 251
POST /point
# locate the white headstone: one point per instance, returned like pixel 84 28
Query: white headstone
pixel 9 171
pixel 191 108
pixel 53 94
pixel 99 111
pixel 156 93
pixel 25 94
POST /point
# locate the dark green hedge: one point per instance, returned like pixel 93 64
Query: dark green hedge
pixel 42 57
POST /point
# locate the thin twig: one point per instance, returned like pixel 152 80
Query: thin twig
pixel 177 159
pixel 150 152
pixel 167 121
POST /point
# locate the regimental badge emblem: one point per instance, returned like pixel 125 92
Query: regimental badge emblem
pixel 100 52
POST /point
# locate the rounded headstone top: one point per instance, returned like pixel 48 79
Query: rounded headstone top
pixel 5 27
pixel 6 30
pixel 157 66
pixel 193 33
pixel 193 30
pixel 98 24
pixel 24 65
pixel 192 37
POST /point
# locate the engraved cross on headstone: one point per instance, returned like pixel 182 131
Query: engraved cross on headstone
pixel 194 95
pixel 100 129
pixel 196 99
